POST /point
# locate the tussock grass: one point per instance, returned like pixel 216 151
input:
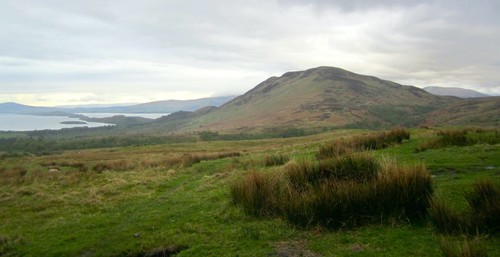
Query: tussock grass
pixel 8 245
pixel 356 166
pixel 275 160
pixel 257 193
pixel 467 248
pixel 445 219
pixel 481 216
pixel 13 175
pixel 484 202
pixel 373 141
pixel 185 160
pixel 460 137
pixel 353 190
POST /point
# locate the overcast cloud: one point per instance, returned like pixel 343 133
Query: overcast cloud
pixel 76 52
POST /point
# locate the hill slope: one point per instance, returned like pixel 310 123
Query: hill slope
pixel 323 96
pixel 166 106
pixel 454 91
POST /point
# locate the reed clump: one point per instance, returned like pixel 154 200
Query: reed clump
pixel 364 142
pixel 480 217
pixel 348 191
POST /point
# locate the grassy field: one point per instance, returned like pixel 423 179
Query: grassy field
pixel 175 199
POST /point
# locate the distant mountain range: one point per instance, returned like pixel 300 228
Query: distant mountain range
pixel 318 98
pixel 335 98
pixel 167 106
pixel 454 91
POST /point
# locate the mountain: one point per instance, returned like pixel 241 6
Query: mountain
pixel 454 91
pixel 322 97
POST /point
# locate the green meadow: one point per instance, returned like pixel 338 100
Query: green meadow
pixel 198 198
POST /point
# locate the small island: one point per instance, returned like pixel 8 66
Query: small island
pixel 73 122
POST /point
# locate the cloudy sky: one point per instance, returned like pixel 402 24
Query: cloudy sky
pixel 97 51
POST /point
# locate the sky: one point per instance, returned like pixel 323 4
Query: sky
pixel 68 52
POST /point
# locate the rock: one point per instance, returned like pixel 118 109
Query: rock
pixel 136 235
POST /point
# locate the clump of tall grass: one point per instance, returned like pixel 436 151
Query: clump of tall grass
pixel 185 160
pixel 349 191
pixel 484 202
pixel 257 193
pixel 15 174
pixel 460 137
pixel 482 214
pixel 356 166
pixel 275 160
pixel 373 141
pixel 404 190
pixel 465 249
pixel 445 219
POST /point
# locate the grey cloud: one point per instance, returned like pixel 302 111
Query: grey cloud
pixel 85 45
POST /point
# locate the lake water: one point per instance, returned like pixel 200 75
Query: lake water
pixel 17 122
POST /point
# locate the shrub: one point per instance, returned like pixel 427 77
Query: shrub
pixel 465 249
pixel 275 160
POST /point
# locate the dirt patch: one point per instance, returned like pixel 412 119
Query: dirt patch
pixel 168 251
pixel 292 249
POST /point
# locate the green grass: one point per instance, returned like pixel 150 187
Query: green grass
pixel 75 213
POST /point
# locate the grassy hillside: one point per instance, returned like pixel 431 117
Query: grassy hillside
pixel 175 198
pixel 320 97
pixel 484 111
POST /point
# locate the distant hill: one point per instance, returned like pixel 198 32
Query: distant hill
pixel 454 91
pixel 322 97
pixel 15 108
pixel 167 106
pixel 473 111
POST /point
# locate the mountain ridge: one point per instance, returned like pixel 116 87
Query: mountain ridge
pixel 455 91
pixel 322 97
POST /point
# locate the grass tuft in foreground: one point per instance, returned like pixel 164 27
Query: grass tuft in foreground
pixel 481 217
pixel 466 249
pixel 353 190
